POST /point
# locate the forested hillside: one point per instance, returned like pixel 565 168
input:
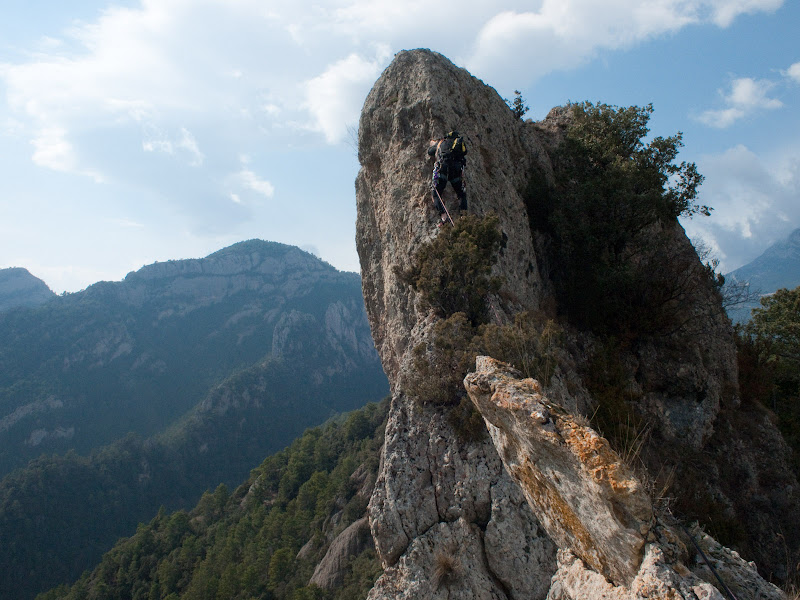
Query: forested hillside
pixel 777 267
pixel 266 538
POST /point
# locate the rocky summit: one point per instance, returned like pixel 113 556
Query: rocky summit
pixel 544 507
pixel 19 288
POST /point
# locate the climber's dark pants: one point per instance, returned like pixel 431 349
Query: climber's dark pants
pixel 441 175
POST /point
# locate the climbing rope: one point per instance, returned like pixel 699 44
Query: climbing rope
pixel 447 212
pixel 728 591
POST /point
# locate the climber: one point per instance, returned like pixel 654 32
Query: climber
pixel 450 156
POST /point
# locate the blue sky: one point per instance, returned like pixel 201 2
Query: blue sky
pixel 142 131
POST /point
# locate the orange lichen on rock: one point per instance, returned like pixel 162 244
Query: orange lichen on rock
pixel 585 496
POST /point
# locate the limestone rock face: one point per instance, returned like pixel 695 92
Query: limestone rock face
pixel 585 497
pixel 421 96
pixel 431 482
pixel 331 570
pixel 428 479
pixel 592 505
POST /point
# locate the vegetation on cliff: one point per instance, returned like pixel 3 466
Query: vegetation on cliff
pixel 628 287
pixel 453 272
pixel 453 275
pixel 769 362
pixel 609 214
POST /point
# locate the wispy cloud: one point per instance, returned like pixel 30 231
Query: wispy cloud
pixel 127 67
pixel 251 181
pixel 184 144
pixel 161 97
pixel 334 98
pixel 724 12
pixel 53 150
pixel 127 223
pixel 746 97
pixel 570 32
pixel 754 200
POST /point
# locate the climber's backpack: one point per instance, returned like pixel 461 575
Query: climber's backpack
pixel 453 147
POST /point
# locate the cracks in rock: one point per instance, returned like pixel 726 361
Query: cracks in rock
pixel 436 497
pixel 495 579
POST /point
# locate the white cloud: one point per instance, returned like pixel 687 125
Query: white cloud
pixel 163 96
pixel 746 96
pixel 570 32
pixel 793 72
pixel 183 145
pixel 721 118
pixel 251 181
pixel 723 12
pixel 754 201
pixel 189 144
pixel 311 249
pixel 53 150
pixel 334 98
pixel 272 65
pixel 126 223
pixel 162 145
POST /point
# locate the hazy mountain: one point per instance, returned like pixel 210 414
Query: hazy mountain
pixel 778 267
pixel 19 288
pixel 134 356
pixel 180 377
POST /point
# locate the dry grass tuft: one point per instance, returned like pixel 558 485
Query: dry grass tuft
pixel 447 570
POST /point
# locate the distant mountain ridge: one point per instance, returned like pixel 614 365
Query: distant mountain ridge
pixel 777 267
pixel 19 288
pixel 169 330
pixel 180 377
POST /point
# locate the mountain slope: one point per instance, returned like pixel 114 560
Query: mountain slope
pixel 245 350
pixel 298 517
pixel 134 356
pixel 777 267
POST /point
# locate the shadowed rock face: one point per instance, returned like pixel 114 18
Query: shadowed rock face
pixel 431 482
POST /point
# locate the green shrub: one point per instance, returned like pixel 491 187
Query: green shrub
pixel 440 365
pixel 453 272
pixel 518 106
pixel 531 344
pixel 610 216
pixel 769 362
pixel 467 422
